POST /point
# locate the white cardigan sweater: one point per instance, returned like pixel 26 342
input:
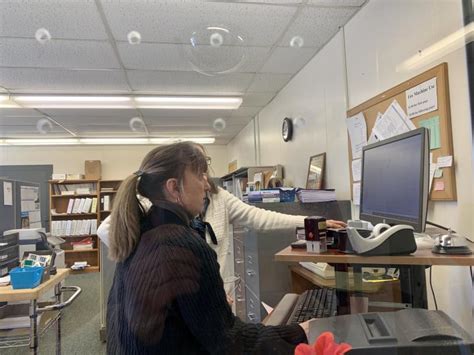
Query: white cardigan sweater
pixel 224 209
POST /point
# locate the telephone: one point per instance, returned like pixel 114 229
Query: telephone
pixel 384 240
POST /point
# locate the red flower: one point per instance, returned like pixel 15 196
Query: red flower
pixel 324 345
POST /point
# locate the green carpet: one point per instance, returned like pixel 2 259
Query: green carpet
pixel 80 323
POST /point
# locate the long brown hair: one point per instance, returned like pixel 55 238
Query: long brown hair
pixel 162 163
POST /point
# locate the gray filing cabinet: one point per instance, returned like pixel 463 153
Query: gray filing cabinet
pixel 261 278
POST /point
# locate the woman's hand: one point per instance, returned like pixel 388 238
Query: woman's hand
pixel 330 223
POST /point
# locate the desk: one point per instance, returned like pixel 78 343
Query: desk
pixel 8 294
pixel 412 270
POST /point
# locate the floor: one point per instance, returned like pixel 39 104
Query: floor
pixel 80 323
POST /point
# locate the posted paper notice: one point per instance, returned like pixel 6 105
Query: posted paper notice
pixel 356 169
pixel 433 126
pixel 7 193
pixel 393 122
pixel 422 99
pixel 356 193
pixel 358 134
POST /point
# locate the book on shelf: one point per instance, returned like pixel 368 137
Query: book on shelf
pixel 106 203
pixel 107 189
pixel 83 244
pixel 70 205
pixel 94 205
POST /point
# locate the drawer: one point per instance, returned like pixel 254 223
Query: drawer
pixel 240 304
pixel 8 241
pixel 238 250
pixel 239 233
pixel 9 254
pixel 253 307
pixel 252 280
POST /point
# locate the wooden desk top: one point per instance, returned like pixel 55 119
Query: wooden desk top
pixel 8 294
pixel 420 257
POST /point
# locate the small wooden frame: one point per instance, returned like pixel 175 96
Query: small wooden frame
pixel 315 179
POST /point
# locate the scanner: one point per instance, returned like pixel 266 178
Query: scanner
pixel 384 240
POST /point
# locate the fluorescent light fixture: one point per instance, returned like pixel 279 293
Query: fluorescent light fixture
pixel 5 102
pixel 51 141
pixel 101 99
pixel 101 141
pixel 448 44
pixel 196 102
pixel 117 141
pixel 200 140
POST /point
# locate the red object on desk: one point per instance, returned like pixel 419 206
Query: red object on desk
pixel 324 345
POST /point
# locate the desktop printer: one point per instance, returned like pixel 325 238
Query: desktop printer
pixel 409 331
pixel 396 240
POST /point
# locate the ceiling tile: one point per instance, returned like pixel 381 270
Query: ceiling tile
pixel 63 19
pixel 288 60
pixel 57 54
pixel 89 81
pixel 90 113
pixel 19 112
pixel 30 131
pixel 316 25
pixel 182 83
pixel 269 82
pixel 246 111
pixel 191 114
pixel 252 99
pixel 208 59
pixel 335 3
pixel 175 22
pixel 18 121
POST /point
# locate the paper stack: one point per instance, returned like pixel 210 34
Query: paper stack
pixel 307 196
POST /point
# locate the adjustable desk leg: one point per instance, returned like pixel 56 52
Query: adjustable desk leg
pixel 342 288
pixel 33 327
pixel 413 285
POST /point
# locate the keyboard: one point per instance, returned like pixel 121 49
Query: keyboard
pixel 316 303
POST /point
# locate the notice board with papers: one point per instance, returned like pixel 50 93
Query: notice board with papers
pixel 422 101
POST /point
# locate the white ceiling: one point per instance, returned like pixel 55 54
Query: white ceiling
pixel 89 53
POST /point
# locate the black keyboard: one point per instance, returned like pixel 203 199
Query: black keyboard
pixel 317 303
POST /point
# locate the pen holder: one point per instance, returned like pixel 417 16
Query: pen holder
pixel 28 277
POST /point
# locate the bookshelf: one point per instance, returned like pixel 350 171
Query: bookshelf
pixel 77 209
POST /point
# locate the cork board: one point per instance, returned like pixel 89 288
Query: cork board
pixel 381 102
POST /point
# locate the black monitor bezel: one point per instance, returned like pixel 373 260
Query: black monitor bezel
pixel 419 225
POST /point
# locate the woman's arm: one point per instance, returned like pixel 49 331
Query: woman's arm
pixel 103 231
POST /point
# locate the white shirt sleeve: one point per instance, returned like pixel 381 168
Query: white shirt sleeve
pixel 257 218
pixel 103 231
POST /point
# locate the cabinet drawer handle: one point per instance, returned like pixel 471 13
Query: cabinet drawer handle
pixel 239 261
pixel 251 316
pixel 250 273
pixel 240 299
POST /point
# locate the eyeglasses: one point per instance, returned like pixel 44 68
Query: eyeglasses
pixel 208 160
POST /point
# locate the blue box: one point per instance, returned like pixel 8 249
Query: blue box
pixel 287 195
pixel 27 277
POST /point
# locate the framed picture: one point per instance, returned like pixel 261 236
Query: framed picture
pixel 316 171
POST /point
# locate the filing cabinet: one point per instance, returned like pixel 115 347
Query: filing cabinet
pixel 261 278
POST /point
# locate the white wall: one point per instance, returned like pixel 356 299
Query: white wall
pixel 377 39
pixel 384 34
pixel 117 161
pixel 242 148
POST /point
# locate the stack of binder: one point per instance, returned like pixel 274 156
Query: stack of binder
pixel 308 196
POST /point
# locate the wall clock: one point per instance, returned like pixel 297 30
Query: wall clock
pixel 287 129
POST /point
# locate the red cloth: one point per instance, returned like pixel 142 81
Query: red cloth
pixel 324 345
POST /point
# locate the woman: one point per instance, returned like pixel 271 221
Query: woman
pixel 167 295
pixel 224 209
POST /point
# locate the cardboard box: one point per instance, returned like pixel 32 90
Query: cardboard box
pixel 93 169
pixel 58 177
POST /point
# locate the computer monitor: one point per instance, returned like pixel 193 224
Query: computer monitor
pixel 395 180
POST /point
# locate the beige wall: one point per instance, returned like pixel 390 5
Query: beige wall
pixel 117 161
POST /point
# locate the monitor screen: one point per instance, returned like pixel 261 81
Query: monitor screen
pixel 394 185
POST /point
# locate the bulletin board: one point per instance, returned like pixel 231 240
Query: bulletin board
pixel 443 187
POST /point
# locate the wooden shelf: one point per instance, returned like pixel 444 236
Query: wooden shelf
pixel 74 196
pixel 108 192
pixel 70 251
pixel 77 236
pixel 62 182
pixel 69 215
pixel 88 269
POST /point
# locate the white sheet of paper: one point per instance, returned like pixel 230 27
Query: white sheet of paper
pixel 433 167
pixel 373 137
pixel 356 169
pixel 356 193
pixel 267 307
pixel 7 193
pixel 445 162
pixel 358 133
pixel 393 122
pixel 35 216
pixel 422 98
